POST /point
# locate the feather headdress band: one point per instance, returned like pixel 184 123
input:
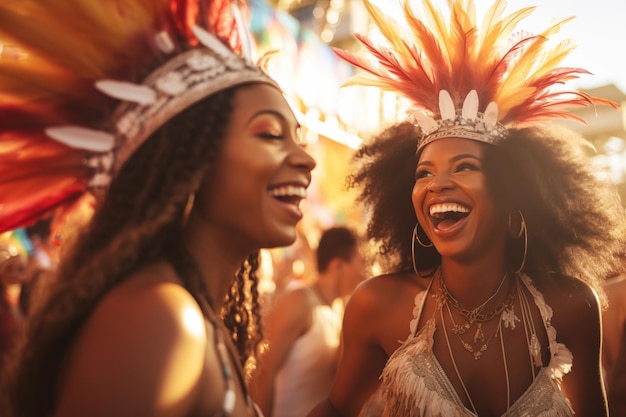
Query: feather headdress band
pixel 66 65
pixel 464 80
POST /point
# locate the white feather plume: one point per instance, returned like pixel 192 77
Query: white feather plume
pixel 491 115
pixel 242 28
pixel 164 42
pixel 425 122
pixel 82 138
pixel 446 106
pixel 470 106
pixel 126 91
pixel 211 41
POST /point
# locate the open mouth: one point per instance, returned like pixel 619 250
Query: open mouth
pixel 445 216
pixel 291 194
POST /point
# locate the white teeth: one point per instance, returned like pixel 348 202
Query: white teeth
pixel 289 191
pixel 445 208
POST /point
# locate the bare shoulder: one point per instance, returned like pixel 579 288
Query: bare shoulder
pixel 570 295
pixel 143 333
pixel 292 298
pixel 381 309
pixel 153 294
pixel 577 322
pixel 388 289
pixel 575 306
pixel 290 310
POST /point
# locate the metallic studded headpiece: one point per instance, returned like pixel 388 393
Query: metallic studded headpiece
pixel 74 104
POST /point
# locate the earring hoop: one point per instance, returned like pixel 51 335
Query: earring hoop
pixel 188 206
pixel 413 250
pixel 413 239
pixel 522 225
pixel 417 237
pixel 523 231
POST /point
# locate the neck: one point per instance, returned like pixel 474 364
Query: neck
pixel 472 285
pixel 217 257
pixel 325 289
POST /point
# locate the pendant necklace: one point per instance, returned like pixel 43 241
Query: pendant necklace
pixel 474 317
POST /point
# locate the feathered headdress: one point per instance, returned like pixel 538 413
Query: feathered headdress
pixel 464 80
pixel 66 64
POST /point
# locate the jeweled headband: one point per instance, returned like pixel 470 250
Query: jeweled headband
pixel 186 79
pixel 466 80
pixel 63 130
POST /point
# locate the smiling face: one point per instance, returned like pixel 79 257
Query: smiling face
pixel 261 174
pixel 452 202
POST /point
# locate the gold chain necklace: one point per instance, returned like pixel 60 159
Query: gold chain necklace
pixel 475 317
pixel 508 322
pixel 478 336
pixel 476 314
pixel 507 319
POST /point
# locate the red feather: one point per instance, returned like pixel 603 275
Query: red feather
pixel 424 55
pixel 51 83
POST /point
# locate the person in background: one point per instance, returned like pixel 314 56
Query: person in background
pixel 13 271
pixel 153 113
pixel 500 231
pixel 303 329
pixel 290 266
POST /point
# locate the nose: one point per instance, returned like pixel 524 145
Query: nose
pixel 440 182
pixel 300 158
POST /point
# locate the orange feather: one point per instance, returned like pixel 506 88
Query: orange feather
pixel 425 54
pixel 58 49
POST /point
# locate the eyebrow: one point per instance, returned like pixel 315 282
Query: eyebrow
pixel 454 159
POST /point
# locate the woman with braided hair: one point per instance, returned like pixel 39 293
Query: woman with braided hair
pixel 153 310
pixel 496 231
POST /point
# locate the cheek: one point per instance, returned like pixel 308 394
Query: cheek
pixel 492 213
pixel 240 171
pixel 417 198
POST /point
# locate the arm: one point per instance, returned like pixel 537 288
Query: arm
pixel 362 359
pixel 612 323
pixel 289 318
pixel 577 320
pixel 141 352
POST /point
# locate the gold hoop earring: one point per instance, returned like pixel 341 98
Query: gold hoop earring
pixel 522 225
pixel 523 231
pixel 417 237
pixel 413 249
pixel 188 206
pixel 413 239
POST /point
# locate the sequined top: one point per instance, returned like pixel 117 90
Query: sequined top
pixel 415 384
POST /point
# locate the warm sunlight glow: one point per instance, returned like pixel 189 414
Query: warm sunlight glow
pixel 193 321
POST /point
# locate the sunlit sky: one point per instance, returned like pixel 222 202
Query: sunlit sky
pixel 599 31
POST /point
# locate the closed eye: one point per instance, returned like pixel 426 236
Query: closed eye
pixel 422 173
pixel 268 135
pixel 467 166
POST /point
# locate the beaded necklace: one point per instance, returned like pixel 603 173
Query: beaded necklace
pixel 183 261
